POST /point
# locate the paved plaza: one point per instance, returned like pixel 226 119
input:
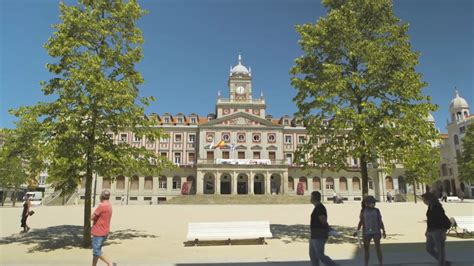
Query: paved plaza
pixel 155 235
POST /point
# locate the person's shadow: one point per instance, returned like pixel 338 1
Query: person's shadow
pixel 65 237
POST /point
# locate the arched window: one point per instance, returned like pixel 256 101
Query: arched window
pixel 342 183
pixel 329 183
pixel 162 182
pixel 134 184
pixel 466 114
pixel 444 169
pixel 291 184
pixel 176 182
pixel 105 183
pixel 304 180
pixel 389 183
pixel 316 183
pixel 355 184
pixel 148 182
pixel 120 182
pixel 459 116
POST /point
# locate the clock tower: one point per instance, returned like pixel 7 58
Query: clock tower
pixel 240 82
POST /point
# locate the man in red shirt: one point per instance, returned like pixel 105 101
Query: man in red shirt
pixel 101 227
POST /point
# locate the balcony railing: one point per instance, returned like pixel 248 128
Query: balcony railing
pixel 242 161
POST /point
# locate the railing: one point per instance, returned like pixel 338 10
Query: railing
pixel 227 100
pixel 242 161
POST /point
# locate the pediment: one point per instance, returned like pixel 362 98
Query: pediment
pixel 256 147
pixel 272 148
pixel 241 147
pixel 240 119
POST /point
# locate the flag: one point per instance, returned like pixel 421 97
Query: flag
pixel 220 144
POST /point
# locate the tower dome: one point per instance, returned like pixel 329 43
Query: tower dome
pixel 240 69
pixel 457 103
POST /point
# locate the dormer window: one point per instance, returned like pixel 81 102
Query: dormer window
pixel 167 120
pixel 180 120
pixel 193 120
pixel 286 122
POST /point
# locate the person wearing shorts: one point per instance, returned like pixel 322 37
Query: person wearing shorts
pixel 370 220
pixel 101 228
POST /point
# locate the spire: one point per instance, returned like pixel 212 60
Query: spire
pixel 240 59
pixel 456 92
pixel 219 93
pixel 261 94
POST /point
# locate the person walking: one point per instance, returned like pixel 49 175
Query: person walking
pixel 25 213
pixel 319 232
pixel 101 228
pixel 437 223
pixel 370 219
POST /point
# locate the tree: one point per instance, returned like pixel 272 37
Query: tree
pixel 466 160
pixel 95 87
pixel 20 156
pixel 357 89
pixel 421 165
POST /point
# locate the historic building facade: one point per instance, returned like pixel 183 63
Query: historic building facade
pixel 242 150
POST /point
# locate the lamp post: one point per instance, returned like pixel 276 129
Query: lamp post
pixel 95 189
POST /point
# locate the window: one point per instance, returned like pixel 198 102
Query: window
pixel 241 137
pixel 288 139
pixel 180 120
pixel 355 161
pixel 162 182
pixel 456 140
pixel 225 155
pixel 256 155
pixel 355 184
pixel 137 138
pixel 210 155
pixel 177 158
pixel 462 130
pixel 371 183
pixel 123 137
pixel 241 155
pixel 191 158
pixel 291 184
pixel 193 120
pixel 164 139
pixel 271 155
pixel 42 179
pixel 289 158
pixel 177 138
pixel 164 154
pixel 256 137
pixel 450 171
pixel 176 182
pixel 120 182
pixel 286 122
pixel 389 183
pixel 148 182
pixel 316 183
pixel 342 183
pixel 301 139
pixel 167 120
pixel 271 138
pixel 226 137
pixel 106 183
pixel 329 183
pixel 134 183
pixel 444 169
pixel 191 138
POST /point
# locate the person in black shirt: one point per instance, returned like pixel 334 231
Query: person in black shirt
pixel 436 230
pixel 319 232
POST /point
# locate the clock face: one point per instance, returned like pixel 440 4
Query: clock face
pixel 240 90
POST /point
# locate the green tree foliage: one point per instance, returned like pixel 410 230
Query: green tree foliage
pixel 95 87
pixel 20 156
pixel 466 160
pixel 357 89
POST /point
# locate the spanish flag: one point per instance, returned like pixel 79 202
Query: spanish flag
pixel 220 144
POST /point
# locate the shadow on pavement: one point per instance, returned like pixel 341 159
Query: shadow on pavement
pixel 65 237
pixel 301 233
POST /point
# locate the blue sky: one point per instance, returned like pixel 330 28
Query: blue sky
pixel 190 45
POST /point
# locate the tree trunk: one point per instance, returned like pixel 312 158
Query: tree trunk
pixel 414 189
pixel 87 205
pixel 365 176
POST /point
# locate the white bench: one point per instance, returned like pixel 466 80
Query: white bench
pixel 453 199
pixel 466 223
pixel 229 231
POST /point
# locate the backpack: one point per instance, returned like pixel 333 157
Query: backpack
pixel 445 222
pixel 372 220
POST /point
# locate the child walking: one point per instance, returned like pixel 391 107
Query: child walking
pixel 370 220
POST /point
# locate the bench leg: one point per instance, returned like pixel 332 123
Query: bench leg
pixel 262 241
pixel 196 242
pixel 228 242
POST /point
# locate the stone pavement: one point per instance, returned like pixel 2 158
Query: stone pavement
pixel 154 235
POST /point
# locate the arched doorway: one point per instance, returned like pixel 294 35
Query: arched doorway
pixel 402 185
pixel 304 181
pixel 275 183
pixel 388 183
pixel 209 183
pixel 316 183
pixel 291 184
pixel 259 184
pixel 191 180
pixel 226 184
pixel 242 184
pixel 446 186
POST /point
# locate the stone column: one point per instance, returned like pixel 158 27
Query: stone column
pixel 169 184
pixel 251 181
pixel 310 185
pixel 217 189
pixel 268 183
pixel 284 182
pixel 234 183
pixel 199 183
pixel 350 192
